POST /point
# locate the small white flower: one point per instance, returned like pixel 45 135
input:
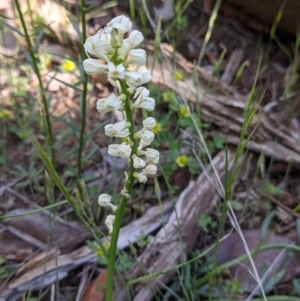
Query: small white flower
pixel 137 57
pixel 150 170
pixel 98 44
pixel 138 162
pixel 146 137
pixel 108 104
pixel 149 123
pixel 148 104
pixel 119 129
pixel 124 150
pixel 142 178
pixel 104 200
pixel 133 78
pixel 135 38
pixel 113 150
pixel 113 102
pixel 152 155
pixel 109 222
pixel 115 72
pixel 146 76
pixel 121 23
pixel 140 94
pixel 93 66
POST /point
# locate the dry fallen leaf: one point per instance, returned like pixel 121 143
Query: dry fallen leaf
pixel 96 289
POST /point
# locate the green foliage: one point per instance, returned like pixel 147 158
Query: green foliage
pixel 124 263
pixel 5 268
pixel 143 240
pixel 206 222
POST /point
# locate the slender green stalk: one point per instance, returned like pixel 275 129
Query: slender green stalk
pixel 123 201
pixel 49 134
pixel 83 95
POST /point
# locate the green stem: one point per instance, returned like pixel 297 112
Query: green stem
pixel 83 95
pixel 49 134
pixel 123 201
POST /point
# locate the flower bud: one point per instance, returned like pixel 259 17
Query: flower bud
pixel 135 38
pixel 137 56
pixel 152 155
pixel 150 170
pixel 138 162
pixel 148 104
pixel 147 137
pixel 149 123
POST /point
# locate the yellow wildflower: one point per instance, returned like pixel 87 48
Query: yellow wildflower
pixel 4 114
pixel 178 75
pixel 182 161
pixel 157 128
pixel 184 111
pixel 168 95
pixel 68 65
pixel 99 251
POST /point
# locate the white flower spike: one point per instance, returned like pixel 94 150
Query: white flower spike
pixel 121 66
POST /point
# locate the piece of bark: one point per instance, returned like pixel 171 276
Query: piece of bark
pixel 232 66
pixel 178 235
